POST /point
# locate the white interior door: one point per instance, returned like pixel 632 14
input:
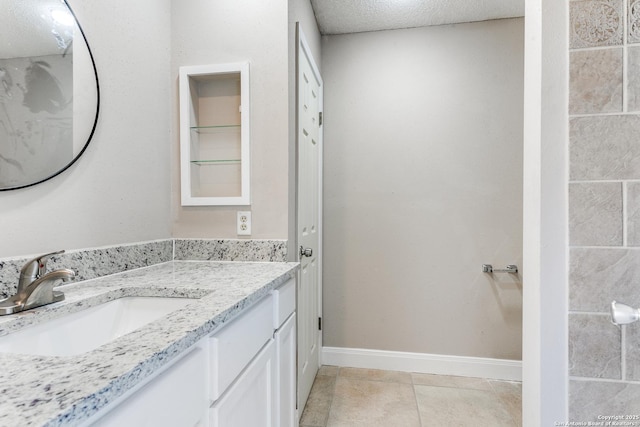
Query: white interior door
pixel 309 138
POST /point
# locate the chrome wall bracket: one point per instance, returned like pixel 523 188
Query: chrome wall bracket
pixel 511 268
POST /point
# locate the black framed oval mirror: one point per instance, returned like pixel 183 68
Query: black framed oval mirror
pixel 49 92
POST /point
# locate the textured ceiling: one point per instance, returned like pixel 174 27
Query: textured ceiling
pixel 354 16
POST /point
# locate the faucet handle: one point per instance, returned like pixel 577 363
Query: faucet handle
pixel 37 266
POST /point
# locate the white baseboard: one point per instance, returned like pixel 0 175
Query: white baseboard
pixel 497 369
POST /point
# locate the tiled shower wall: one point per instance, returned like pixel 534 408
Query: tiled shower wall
pixel 604 206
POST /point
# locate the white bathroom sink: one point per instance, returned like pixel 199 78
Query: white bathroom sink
pixel 86 330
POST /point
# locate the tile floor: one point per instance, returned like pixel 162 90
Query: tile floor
pixel 353 397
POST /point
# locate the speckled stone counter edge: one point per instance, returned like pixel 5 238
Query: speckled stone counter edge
pixel 97 262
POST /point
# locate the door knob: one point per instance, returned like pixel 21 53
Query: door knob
pixel 305 252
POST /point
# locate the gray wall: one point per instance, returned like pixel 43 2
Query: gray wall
pixel 423 184
pixel 215 31
pixel 126 186
pixel 604 201
pixel 118 191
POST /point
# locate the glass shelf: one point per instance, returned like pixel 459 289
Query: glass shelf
pixel 214 129
pixel 215 162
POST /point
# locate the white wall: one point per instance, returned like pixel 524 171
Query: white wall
pixel 215 31
pixel 545 343
pixel 423 184
pixel 126 186
pixel 118 192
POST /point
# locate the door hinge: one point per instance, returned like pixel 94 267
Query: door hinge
pixel 320 119
pixel 319 323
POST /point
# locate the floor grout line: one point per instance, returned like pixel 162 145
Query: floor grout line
pixel 502 400
pixel 333 395
pixel 415 397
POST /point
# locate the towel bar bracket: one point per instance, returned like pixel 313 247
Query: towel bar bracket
pixel 488 268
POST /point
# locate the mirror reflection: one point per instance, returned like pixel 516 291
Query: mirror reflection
pixel 48 91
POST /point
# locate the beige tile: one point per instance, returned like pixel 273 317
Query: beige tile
pixel 510 393
pixel 451 381
pixel 595 214
pixel 376 375
pixel 604 147
pixel 597 276
pixel 359 403
pixel 444 406
pixel 328 370
pixel 589 357
pixel 316 410
pixel 595 23
pixel 595 85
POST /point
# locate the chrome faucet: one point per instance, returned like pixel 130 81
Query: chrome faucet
pixel 35 287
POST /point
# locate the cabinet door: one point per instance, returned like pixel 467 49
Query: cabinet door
pixel 250 400
pixel 286 353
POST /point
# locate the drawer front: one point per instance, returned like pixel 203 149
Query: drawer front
pixel 236 344
pixel 284 302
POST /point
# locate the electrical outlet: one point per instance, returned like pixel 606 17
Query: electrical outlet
pixel 244 223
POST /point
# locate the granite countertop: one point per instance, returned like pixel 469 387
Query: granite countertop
pixel 62 391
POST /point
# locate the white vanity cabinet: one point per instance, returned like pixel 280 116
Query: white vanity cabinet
pixel 241 375
pixel 264 393
pixel 284 322
pixel 243 370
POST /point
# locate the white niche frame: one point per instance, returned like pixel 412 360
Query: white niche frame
pixel 189 77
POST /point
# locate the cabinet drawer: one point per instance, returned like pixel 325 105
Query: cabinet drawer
pixel 236 344
pixel 284 302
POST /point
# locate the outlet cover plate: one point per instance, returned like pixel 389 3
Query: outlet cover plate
pixel 243 223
